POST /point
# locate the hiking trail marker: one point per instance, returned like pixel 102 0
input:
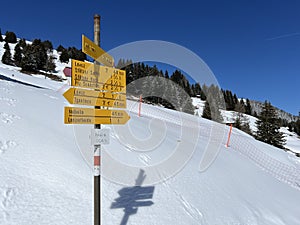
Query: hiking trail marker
pixel 75 115
pixel 81 96
pixel 99 86
pixel 97 53
pixel 93 76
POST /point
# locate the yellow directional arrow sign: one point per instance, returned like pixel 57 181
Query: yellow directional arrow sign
pixel 75 115
pixel 95 98
pixel 97 53
pixel 90 75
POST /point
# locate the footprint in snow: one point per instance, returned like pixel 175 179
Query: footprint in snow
pixel 7 198
pixel 9 101
pixel 6 145
pixel 8 118
pixel 6 90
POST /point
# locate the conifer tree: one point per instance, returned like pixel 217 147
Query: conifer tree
pixel 248 107
pixel 29 62
pixel 64 56
pixel 10 37
pixel 1 38
pixel 50 64
pixel 206 111
pixel 6 46
pixel 22 43
pixel 60 48
pixel 167 75
pixel 6 58
pixel 47 45
pixel 18 55
pixel 41 56
pixel 197 89
pixel 268 127
pixel 241 121
pixel 230 102
pixel 235 100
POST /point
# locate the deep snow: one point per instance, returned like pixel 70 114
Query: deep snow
pixel 46 176
pixel 45 179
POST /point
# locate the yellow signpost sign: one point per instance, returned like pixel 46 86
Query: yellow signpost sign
pixel 75 115
pixel 95 98
pixel 89 75
pixel 97 53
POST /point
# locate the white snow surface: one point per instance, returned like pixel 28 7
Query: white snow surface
pixel 45 180
pixel 291 138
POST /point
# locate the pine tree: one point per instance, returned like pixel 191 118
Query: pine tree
pixel 18 55
pixel 246 126
pixel 1 38
pixel 29 62
pixel 238 114
pixel 206 111
pixel 50 64
pixel 203 93
pixel 36 42
pixel 6 46
pixel 6 58
pixel 255 114
pixel 241 121
pixel 22 43
pixel 248 107
pixel 74 53
pixel 197 90
pixel 231 103
pixel 10 37
pixel 47 45
pixel 214 98
pixel 64 56
pixel 268 127
pixel 167 75
pixel 121 64
pixel 60 48
pixel 41 56
pixel 235 100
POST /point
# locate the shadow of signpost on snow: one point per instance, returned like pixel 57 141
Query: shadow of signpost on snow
pixel 133 197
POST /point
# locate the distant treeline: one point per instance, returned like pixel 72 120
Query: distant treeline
pixel 37 56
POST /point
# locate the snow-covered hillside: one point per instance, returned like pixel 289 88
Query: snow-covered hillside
pixel 46 179
pixel 292 139
pixel 59 65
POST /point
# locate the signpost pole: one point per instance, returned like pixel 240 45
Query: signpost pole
pixel 97 148
pixel 99 86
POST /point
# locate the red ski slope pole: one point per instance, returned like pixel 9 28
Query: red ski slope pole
pixel 229 134
pixel 140 105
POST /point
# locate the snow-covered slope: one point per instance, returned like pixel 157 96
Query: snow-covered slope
pixel 292 139
pixel 59 65
pixel 44 178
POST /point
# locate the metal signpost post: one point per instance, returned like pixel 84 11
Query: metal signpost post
pixel 99 86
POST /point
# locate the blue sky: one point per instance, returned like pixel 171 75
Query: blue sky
pixel 253 47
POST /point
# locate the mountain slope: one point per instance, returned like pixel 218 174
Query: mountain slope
pixel 45 178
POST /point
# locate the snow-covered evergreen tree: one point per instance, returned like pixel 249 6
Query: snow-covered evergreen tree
pixel 268 127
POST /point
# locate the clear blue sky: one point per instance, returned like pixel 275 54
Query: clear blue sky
pixel 253 47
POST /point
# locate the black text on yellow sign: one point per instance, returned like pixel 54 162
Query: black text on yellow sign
pixel 97 53
pixel 74 115
pixel 79 96
pixel 92 76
